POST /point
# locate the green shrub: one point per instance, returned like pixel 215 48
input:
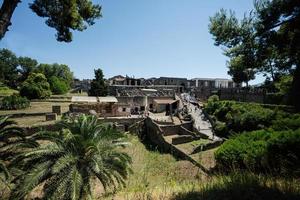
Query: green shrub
pixel 35 87
pixel 14 102
pixel 262 151
pixel 220 129
pixel 286 122
pixel 58 86
pixel 212 104
pixel 239 117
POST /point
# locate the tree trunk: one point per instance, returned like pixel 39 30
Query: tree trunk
pixel 7 9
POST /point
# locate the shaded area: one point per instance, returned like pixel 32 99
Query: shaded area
pixel 244 187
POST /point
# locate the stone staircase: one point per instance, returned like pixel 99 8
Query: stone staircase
pixel 180 140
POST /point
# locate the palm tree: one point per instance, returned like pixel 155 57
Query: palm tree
pixel 10 138
pixel 10 135
pixel 80 153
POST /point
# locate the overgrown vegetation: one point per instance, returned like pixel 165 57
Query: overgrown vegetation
pixel 261 140
pixel 14 102
pixel 233 117
pixel 276 152
pixel 35 87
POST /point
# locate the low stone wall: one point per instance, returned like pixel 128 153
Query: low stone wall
pixel 208 146
pixel 155 135
pixel 182 139
pixel 181 129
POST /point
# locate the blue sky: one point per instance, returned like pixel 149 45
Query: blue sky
pixel 141 38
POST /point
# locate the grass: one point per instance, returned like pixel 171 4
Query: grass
pixel 159 176
pixel 37 107
pixel 244 186
pixel 156 174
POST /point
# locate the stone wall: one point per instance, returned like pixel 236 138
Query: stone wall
pixel 155 134
pixel 102 109
pixel 182 129
pixel 244 95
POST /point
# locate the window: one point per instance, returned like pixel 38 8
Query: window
pixel 123 109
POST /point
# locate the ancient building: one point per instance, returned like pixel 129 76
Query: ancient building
pixel 103 106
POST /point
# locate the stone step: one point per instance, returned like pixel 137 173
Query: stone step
pixel 180 139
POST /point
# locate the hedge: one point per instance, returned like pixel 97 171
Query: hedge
pixel 275 152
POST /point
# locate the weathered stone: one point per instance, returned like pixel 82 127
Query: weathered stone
pixel 182 139
pixel 51 116
pixel 93 112
pixel 56 109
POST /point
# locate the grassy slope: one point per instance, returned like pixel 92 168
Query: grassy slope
pixel 160 177
pixel 157 175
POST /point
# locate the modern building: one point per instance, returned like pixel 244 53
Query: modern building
pixel 212 83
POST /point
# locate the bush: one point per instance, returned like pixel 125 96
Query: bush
pixel 14 102
pixel 240 117
pixel 286 122
pixel 58 86
pixel 220 129
pixel 262 151
pixel 35 87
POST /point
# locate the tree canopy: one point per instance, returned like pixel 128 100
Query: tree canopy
pixel 35 87
pixel 64 16
pixel 8 68
pixel 98 85
pixel 82 152
pixel 267 40
pixel 15 70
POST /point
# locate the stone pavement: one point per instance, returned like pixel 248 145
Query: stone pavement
pixel 202 124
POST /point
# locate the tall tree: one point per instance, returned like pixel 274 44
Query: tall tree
pixel 98 85
pixel 8 68
pixel 268 39
pixel 238 42
pixel 279 26
pixel 73 159
pixel 26 66
pixel 62 15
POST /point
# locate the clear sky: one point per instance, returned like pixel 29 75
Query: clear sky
pixel 141 38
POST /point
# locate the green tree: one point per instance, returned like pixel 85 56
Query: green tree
pixel 58 86
pixel 26 65
pixel 279 26
pixel 60 71
pixel 35 87
pixel 238 42
pixel 239 72
pixel 98 85
pixel 8 68
pixel 72 159
pixel 63 16
pixel 268 40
